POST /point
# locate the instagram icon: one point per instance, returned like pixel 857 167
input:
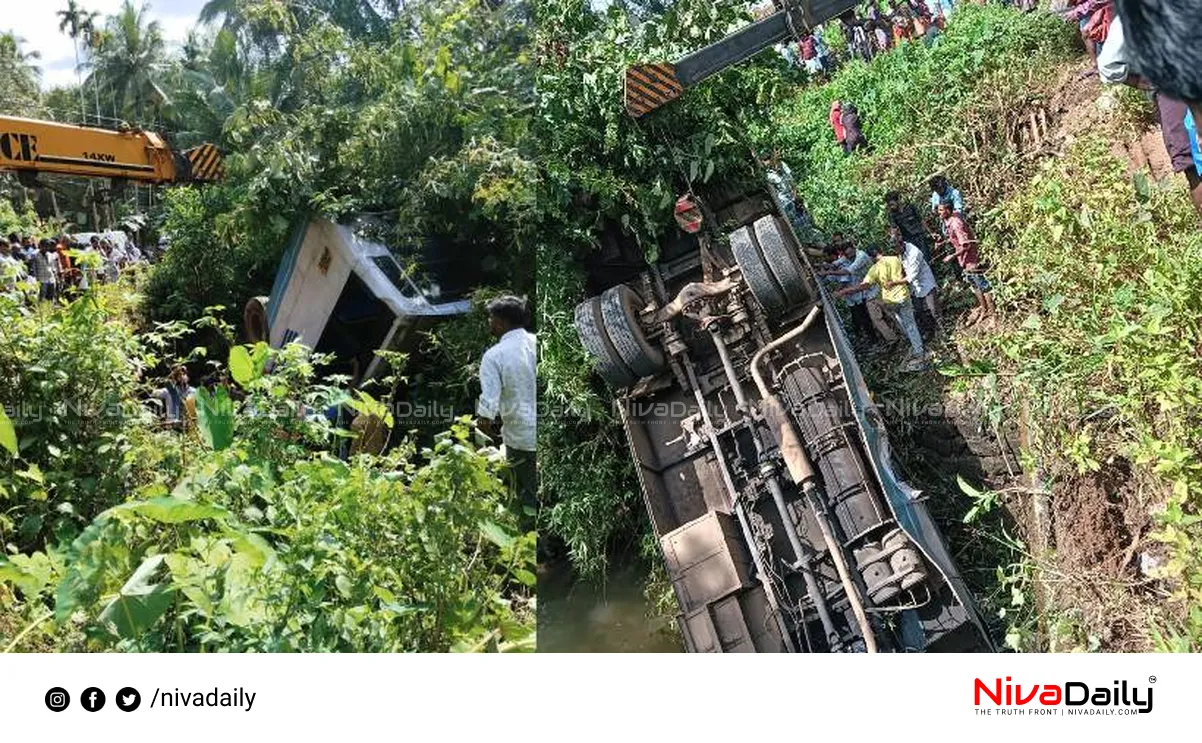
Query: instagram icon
pixel 57 699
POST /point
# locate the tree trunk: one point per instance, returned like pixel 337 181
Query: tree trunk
pixel 83 105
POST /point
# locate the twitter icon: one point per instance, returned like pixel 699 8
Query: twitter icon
pixel 128 699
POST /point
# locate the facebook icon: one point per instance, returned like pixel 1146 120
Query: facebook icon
pixel 92 699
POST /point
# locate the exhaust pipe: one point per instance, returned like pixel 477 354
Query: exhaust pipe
pixel 802 555
pixel 801 470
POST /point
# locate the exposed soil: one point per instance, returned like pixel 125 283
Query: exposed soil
pixel 1082 105
pixel 1074 102
pixel 1090 526
pixel 1083 533
pixel 1148 153
pixel 1098 524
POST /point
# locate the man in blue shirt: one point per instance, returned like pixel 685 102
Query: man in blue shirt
pixel 941 190
pixel 866 311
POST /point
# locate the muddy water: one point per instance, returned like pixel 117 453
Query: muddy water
pixel 579 617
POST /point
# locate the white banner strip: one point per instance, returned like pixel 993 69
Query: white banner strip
pixel 591 697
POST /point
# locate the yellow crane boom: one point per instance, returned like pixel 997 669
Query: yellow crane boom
pixel 31 145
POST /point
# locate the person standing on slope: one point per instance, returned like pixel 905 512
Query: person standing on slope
pixel 966 254
pixel 836 119
pixel 889 276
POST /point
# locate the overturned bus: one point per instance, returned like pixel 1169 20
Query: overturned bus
pixel 347 296
pixel 764 464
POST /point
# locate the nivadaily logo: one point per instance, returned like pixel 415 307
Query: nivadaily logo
pixel 1070 697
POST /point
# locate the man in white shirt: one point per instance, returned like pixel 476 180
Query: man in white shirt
pixel 507 392
pixel 919 275
pixel 46 270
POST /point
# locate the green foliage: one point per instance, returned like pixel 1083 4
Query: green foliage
pixel 625 171
pixel 128 59
pixel 69 373
pixel 243 534
pixel 221 253
pixel 984 501
pixel 23 222
pixel 448 375
pixel 309 555
pixel 214 418
pixel 428 130
pixel 18 76
pixel 603 169
pixel 919 107
pixel 1101 284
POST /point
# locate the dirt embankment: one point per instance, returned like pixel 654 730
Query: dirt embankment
pixel 1081 549
pixel 1081 104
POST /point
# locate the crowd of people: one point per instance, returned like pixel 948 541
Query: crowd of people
pixel 869 31
pixel 62 267
pixel 876 32
pixel 883 285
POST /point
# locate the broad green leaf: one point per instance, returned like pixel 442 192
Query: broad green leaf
pixel 242 369
pixel 140 602
pixel 242 604
pixel 171 510
pixel 30 573
pixel 8 433
pixel 402 609
pixel 968 490
pixel 255 548
pixel 496 534
pixel 33 472
pixel 258 358
pixel 215 418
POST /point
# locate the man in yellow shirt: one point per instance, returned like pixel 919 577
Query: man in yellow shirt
pixel 889 274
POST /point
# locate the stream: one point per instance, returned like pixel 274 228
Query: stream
pixel 575 616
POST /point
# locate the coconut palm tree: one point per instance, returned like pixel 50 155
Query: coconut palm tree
pixel 19 76
pixel 75 22
pixel 129 60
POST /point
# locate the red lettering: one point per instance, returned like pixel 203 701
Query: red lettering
pixel 1051 695
pixel 1018 693
pixel 995 695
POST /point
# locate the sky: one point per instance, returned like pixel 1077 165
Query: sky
pixel 36 22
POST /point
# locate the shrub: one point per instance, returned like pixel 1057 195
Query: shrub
pixel 245 532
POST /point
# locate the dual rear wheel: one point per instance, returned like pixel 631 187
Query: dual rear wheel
pixel 609 328
pixel 770 266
